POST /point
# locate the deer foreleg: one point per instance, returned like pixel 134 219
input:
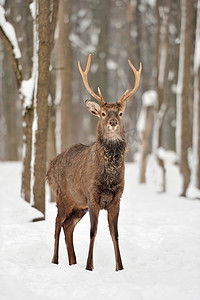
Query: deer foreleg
pixel 94 213
pixel 68 227
pixel 113 213
pixel 57 235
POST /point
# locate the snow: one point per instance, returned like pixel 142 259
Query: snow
pixel 162 65
pixel 77 42
pixel 167 155
pixel 159 240
pixel 10 33
pixel 32 7
pixel 149 98
pixel 27 88
pixel 111 64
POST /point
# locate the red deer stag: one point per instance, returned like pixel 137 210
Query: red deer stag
pixel 90 178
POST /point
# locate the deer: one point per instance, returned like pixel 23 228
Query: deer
pixel 90 178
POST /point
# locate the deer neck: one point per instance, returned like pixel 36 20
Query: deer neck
pixel 112 150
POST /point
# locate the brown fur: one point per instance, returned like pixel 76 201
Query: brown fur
pixel 90 178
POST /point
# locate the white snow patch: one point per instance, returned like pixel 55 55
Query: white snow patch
pixel 32 9
pixel 10 33
pixel 84 24
pixel 27 88
pixel 151 2
pixel 167 155
pixel 94 36
pixel 77 42
pixel 111 64
pixel 149 98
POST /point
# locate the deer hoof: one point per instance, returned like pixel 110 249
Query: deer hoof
pixel 55 261
pixel 89 268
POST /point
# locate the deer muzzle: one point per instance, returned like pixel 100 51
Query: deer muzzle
pixel 112 124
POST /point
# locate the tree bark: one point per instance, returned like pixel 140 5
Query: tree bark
pixel 196 106
pixel 183 129
pixel 42 105
pixel 9 97
pixel 45 31
pixel 145 143
pixel 161 64
pixel 27 153
pixel 64 60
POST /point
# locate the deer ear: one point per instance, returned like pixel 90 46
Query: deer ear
pixel 93 107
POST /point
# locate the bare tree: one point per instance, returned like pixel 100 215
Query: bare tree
pixel 196 107
pixel 46 28
pixel 183 126
pixel 64 73
pixel 161 53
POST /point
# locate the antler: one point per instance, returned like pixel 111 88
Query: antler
pixel 85 81
pixel 125 96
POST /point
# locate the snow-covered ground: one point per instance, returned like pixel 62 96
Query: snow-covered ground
pixel 159 240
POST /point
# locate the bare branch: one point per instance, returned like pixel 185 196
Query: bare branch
pixel 14 61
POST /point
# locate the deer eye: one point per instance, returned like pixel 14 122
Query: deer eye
pixel 120 114
pixel 103 114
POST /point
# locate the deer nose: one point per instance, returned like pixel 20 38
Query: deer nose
pixel 113 122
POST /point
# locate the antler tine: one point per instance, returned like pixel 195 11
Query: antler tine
pixel 85 81
pixel 100 94
pixel 125 96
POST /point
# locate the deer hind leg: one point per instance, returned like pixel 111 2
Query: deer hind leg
pixel 57 235
pixel 94 213
pixel 68 226
pixel 113 213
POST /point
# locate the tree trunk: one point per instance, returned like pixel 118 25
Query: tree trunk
pixel 51 141
pixel 131 113
pixel 161 63
pixel 183 129
pixel 64 60
pixel 196 107
pixel 145 143
pixel 45 46
pixel 9 98
pixel 42 104
pixel 99 78
pixel 27 121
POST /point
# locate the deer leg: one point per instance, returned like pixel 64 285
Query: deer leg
pixel 94 213
pixel 68 227
pixel 57 235
pixel 113 213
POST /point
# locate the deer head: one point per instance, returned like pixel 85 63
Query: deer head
pixel 110 114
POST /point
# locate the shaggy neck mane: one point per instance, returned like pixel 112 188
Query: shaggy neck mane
pixel 112 149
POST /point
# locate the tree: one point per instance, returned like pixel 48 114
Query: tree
pixel 161 62
pixel 149 99
pixel 46 28
pixel 64 73
pixel 196 107
pixel 183 126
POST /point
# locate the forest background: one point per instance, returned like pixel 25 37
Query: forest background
pixel 42 95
